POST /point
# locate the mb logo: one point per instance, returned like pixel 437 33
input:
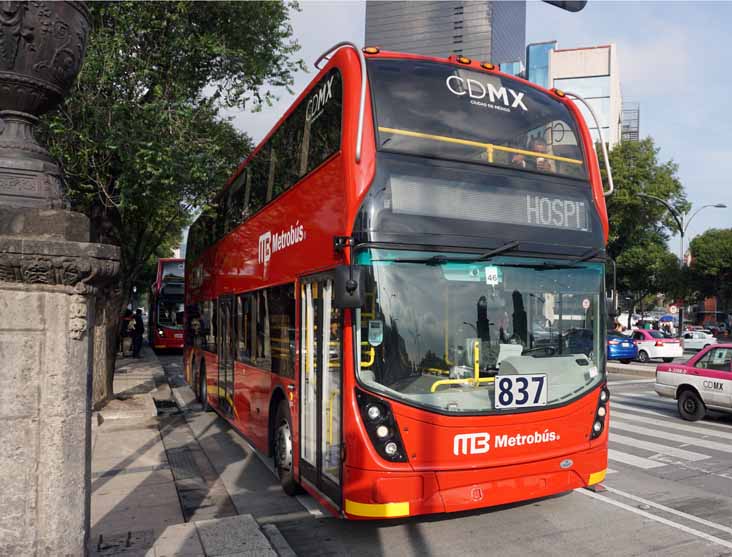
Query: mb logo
pixel 471 443
pixel 265 248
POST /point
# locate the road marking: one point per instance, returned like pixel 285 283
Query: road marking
pixel 702 425
pixel 671 510
pixel 698 430
pixel 651 516
pixel 310 505
pixel 663 449
pixel 611 471
pixel 715 446
pixel 632 460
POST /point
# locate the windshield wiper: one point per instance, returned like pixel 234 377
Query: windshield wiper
pixel 544 266
pixel 441 259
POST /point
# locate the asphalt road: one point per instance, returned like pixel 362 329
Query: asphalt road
pixel 669 492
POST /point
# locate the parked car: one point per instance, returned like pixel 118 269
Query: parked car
pixel 654 344
pixel 696 340
pixel 702 383
pixel 620 347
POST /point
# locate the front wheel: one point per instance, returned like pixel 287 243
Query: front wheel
pixel 283 450
pixel 668 360
pixel 691 407
pixel 643 357
pixel 624 361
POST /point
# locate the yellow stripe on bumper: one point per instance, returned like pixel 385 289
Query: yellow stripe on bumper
pixel 384 510
pixel 597 477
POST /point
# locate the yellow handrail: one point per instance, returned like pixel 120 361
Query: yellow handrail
pixel 372 355
pixel 476 380
pixel 329 433
pixel 489 147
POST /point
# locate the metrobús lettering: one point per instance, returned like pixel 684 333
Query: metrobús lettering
pixel 519 440
pixel 294 235
pixel 476 90
pixel 547 211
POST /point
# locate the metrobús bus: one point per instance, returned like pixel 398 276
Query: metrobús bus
pixel 400 293
pixel 165 318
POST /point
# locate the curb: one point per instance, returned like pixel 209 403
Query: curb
pixel 630 369
pixel 278 541
pixel 185 398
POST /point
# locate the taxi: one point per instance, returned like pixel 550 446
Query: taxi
pixel 702 383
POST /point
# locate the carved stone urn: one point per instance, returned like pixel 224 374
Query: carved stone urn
pixel 42 45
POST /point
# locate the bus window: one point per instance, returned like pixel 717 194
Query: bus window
pixel 244 320
pixel 282 329
pixel 262 354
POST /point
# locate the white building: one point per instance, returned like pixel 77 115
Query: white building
pixel 591 72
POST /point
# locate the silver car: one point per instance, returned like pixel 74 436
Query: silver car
pixel 697 340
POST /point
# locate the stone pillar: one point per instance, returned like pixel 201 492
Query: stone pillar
pixel 49 273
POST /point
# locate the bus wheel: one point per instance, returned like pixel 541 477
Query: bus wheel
pixel 691 407
pixel 283 450
pixel 202 390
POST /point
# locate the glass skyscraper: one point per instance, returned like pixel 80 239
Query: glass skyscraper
pixel 490 31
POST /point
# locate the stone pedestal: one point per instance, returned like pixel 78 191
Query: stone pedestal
pixel 48 275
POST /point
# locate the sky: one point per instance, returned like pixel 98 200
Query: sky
pixel 673 59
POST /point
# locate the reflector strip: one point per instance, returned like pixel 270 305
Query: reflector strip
pixel 597 477
pixel 383 510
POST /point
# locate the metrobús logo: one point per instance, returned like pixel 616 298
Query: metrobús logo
pixel 477 91
pixel 270 243
pixel 480 443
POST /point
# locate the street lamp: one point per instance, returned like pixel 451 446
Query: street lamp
pixel 682 222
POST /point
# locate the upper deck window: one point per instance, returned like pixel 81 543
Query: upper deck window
pixel 443 111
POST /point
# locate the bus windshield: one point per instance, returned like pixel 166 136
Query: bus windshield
pixel 443 111
pixel 433 317
pixel 170 313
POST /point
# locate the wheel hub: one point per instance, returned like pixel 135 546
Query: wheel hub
pixel 283 448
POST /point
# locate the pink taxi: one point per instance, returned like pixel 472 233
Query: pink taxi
pixel 704 382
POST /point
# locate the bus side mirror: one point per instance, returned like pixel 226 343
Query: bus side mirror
pixel 611 303
pixel 349 286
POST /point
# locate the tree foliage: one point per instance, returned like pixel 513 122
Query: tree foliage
pixel 712 264
pixel 640 227
pixel 140 137
pixel 635 220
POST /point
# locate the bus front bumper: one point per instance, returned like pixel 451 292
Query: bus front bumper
pixel 373 494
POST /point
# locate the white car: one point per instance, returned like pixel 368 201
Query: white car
pixel 696 340
pixel 654 344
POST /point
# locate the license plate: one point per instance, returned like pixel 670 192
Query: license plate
pixel 626 345
pixel 520 391
pixel 179 335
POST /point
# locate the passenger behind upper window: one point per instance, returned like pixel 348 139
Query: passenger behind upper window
pixel 535 161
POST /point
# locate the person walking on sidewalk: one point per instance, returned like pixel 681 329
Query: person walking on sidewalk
pixel 137 334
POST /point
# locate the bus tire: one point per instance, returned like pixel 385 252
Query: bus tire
pixel 202 389
pixel 283 458
pixel 643 357
pixel 691 406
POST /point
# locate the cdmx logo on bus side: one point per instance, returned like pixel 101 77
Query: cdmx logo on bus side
pixel 270 243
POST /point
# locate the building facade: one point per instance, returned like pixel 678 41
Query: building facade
pixel 591 72
pixel 491 31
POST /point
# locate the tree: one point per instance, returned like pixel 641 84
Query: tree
pixel 712 264
pixel 635 220
pixel 140 137
pixel 640 227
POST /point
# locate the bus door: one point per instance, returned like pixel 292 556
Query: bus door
pixel 321 348
pixel 226 347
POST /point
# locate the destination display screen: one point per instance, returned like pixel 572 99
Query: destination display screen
pixel 412 195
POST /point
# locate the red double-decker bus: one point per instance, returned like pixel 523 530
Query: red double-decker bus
pixel 400 294
pixel 165 316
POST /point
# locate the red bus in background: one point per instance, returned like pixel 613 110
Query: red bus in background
pixel 400 296
pixel 165 317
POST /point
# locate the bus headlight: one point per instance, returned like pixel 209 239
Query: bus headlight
pixel 161 333
pixel 381 427
pixel 373 412
pixel 601 411
pixel 598 426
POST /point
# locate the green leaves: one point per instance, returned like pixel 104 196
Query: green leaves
pixel 712 263
pixel 140 137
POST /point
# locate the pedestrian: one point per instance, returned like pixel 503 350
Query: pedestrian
pixel 137 334
pixel 126 327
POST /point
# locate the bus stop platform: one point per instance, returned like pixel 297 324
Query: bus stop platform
pixel 154 492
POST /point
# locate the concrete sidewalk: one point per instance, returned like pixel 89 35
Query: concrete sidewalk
pixel 147 468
